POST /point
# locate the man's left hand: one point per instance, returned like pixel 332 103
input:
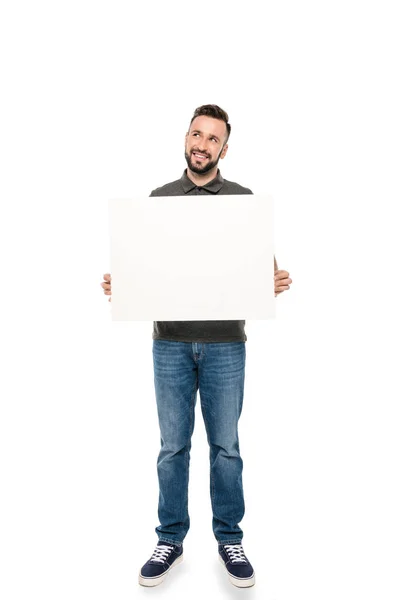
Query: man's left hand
pixel 282 281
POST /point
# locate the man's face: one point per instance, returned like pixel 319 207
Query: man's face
pixel 204 144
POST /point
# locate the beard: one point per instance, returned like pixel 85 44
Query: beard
pixel 196 168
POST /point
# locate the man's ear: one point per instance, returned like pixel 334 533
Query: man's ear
pixel 224 151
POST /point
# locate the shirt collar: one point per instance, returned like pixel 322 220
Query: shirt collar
pixel 212 186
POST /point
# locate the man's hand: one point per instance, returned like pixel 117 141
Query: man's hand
pixel 282 281
pixel 107 285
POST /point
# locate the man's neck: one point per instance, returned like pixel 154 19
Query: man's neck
pixel 199 179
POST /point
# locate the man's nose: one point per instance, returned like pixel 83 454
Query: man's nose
pixel 203 147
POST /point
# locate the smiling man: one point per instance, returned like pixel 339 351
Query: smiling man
pixel 208 356
pixel 206 143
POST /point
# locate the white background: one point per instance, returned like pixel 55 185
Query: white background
pixel 96 99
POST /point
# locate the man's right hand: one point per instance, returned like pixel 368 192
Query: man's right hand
pixel 106 285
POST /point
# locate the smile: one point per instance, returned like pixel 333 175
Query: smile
pixel 200 156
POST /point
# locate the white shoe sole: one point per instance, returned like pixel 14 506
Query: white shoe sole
pixel 238 581
pixel 152 581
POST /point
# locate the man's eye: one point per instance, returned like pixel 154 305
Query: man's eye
pixel 214 140
pixel 195 134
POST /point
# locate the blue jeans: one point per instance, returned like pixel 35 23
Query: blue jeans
pixel 217 370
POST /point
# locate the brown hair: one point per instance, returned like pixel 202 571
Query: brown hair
pixel 214 111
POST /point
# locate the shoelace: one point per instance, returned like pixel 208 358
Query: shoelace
pixel 235 553
pixel 161 553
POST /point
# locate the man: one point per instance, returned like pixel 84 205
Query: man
pixel 208 356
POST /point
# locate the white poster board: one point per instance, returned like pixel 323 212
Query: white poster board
pixel 189 258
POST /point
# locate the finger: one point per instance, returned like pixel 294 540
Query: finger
pixel 280 276
pixel 283 281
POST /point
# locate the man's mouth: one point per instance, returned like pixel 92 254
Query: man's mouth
pixel 200 156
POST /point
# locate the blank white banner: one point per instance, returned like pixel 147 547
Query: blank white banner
pixel 189 258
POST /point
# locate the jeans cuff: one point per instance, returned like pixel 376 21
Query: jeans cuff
pixel 229 541
pixel 175 542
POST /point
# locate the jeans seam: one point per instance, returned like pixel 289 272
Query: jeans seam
pixel 211 473
pixel 194 392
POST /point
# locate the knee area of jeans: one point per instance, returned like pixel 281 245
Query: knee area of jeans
pixel 173 447
pixel 227 449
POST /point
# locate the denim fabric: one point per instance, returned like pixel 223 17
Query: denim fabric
pixel 217 370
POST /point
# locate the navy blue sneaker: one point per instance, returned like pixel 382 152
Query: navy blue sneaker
pixel 165 556
pixel 239 569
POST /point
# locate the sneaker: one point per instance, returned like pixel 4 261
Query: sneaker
pixel 165 556
pixel 239 569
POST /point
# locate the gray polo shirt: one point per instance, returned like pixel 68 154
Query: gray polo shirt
pixel 200 331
